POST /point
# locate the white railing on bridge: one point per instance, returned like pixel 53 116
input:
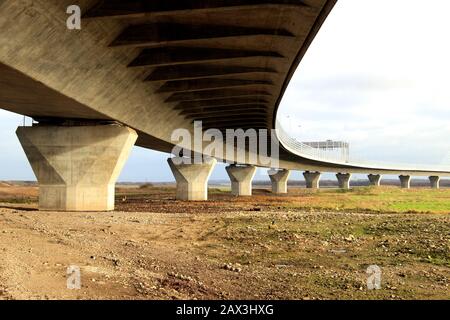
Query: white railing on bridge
pixel 344 158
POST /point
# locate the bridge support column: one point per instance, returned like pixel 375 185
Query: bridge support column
pixel 312 179
pixel 405 181
pixel 434 182
pixel 77 166
pixel 279 180
pixel 241 179
pixel 374 179
pixel 192 179
pixel 344 180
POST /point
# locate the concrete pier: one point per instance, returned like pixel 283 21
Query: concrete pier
pixel 312 179
pixel 405 181
pixel 344 180
pixel 374 179
pixel 77 167
pixel 241 177
pixel 279 179
pixel 192 179
pixel 434 182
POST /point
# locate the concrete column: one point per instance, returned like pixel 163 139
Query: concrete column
pixel 434 181
pixel 405 181
pixel 192 179
pixel 279 179
pixel 374 179
pixel 77 167
pixel 344 180
pixel 312 179
pixel 241 179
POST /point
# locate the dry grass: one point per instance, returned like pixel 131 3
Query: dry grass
pixel 306 245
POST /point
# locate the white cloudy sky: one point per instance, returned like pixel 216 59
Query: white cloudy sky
pixel 377 76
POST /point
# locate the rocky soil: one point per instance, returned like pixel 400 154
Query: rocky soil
pixel 153 247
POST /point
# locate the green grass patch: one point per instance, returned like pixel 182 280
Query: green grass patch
pixel 383 199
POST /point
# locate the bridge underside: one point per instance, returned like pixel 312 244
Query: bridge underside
pixel 158 65
pixel 155 66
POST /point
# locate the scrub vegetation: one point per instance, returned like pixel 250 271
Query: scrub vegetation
pixel 304 245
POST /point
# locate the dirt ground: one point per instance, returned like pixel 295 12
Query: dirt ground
pixel 263 247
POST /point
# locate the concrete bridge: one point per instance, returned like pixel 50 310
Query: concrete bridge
pixel 138 70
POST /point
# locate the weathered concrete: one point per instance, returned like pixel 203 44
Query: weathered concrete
pixel 241 179
pixel 374 179
pixel 192 179
pixel 344 180
pixel 312 179
pixel 77 167
pixel 405 181
pixel 228 57
pixel 434 182
pixel 279 179
pixel 258 51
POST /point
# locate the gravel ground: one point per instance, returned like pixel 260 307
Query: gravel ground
pixel 154 247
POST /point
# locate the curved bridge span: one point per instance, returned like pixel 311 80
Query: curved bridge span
pixel 137 71
pixel 334 161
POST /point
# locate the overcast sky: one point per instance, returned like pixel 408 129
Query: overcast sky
pixel 377 76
